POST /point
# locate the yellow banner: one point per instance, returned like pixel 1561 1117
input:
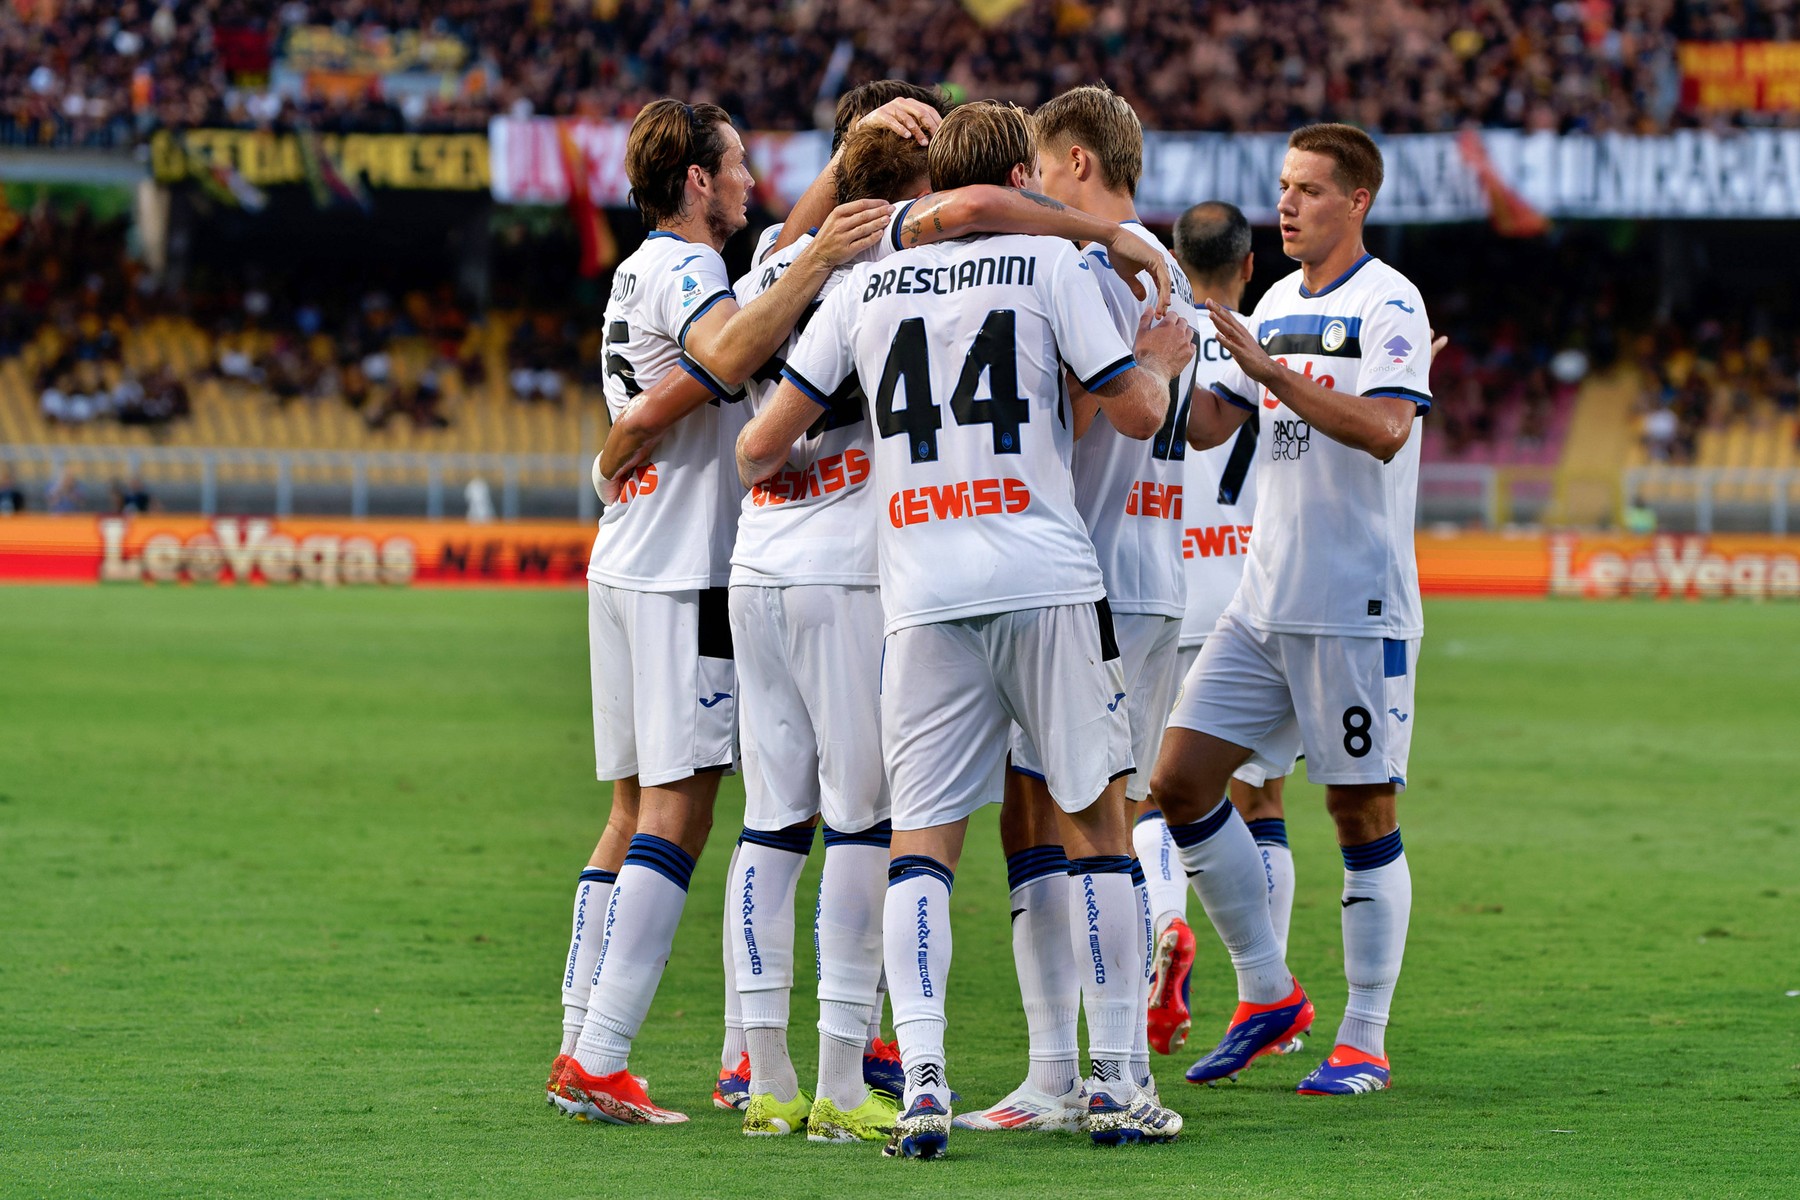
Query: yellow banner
pixel 417 161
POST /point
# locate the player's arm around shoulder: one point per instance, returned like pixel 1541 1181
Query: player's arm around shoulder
pixel 985 208
pixel 730 342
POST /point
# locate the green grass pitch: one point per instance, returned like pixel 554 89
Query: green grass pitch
pixel 284 887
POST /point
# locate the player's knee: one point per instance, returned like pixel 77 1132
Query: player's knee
pixel 1362 812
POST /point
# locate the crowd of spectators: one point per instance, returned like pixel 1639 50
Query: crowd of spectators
pixel 107 71
pixel 290 339
pixel 1710 376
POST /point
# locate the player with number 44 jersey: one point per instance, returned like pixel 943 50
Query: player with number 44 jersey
pixel 993 597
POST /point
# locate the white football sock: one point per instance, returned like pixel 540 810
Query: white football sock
pixel 1377 903
pixel 640 928
pixel 735 1047
pixel 1049 987
pixel 1278 871
pixel 916 937
pixel 1227 873
pixel 591 895
pixel 762 898
pixel 1140 1034
pixel 1162 869
pixel 1106 934
pixel 847 938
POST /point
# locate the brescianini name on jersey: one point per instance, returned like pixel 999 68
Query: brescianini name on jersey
pixel 672 529
pixel 960 348
pixel 1218 506
pixel 1333 548
pixel 1132 492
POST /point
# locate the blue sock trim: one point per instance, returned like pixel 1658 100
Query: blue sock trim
pixel 1154 814
pixel 662 856
pixel 1138 878
pixel 879 834
pixel 1102 864
pixel 1370 855
pixel 910 866
pixel 596 875
pixel 1197 832
pixel 794 840
pixel 1034 862
pixel 1270 831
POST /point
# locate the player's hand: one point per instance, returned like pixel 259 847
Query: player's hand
pixel 907 117
pixel 1251 358
pixel 1438 342
pixel 1164 347
pixel 849 230
pixel 1131 256
pixel 609 490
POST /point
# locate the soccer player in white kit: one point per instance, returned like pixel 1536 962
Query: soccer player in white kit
pixel 659 640
pixel 1212 247
pixel 1129 494
pixel 993 598
pixel 807 625
pixel 1320 643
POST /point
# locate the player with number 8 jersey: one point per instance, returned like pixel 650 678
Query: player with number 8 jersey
pixel 1319 647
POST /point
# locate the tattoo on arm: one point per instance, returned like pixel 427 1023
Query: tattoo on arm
pixel 1043 201
pixel 910 231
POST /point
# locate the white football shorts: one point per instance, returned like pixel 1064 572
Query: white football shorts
pixel 951 691
pixel 1347 700
pixel 1147 653
pixel 665 687
pixel 1257 770
pixel 809 675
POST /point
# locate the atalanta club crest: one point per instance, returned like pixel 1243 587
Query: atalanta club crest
pixel 1334 337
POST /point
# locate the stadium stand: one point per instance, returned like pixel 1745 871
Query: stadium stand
pixel 118 71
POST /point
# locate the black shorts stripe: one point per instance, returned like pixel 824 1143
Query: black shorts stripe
pixel 1109 641
pixel 715 623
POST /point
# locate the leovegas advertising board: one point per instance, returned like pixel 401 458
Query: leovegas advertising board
pixel 323 552
pixel 1599 566
pixel 339 552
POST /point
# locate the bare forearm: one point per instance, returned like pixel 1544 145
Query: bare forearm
pixel 627 446
pixel 810 211
pixel 986 209
pixel 1211 421
pixel 1376 425
pixel 1136 401
pixel 750 335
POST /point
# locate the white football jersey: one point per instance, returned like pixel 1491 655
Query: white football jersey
pixel 1130 491
pixel 812 522
pixel 960 348
pixel 765 242
pixel 1333 548
pixel 673 527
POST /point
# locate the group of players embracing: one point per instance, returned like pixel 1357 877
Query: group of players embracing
pixel 947 502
